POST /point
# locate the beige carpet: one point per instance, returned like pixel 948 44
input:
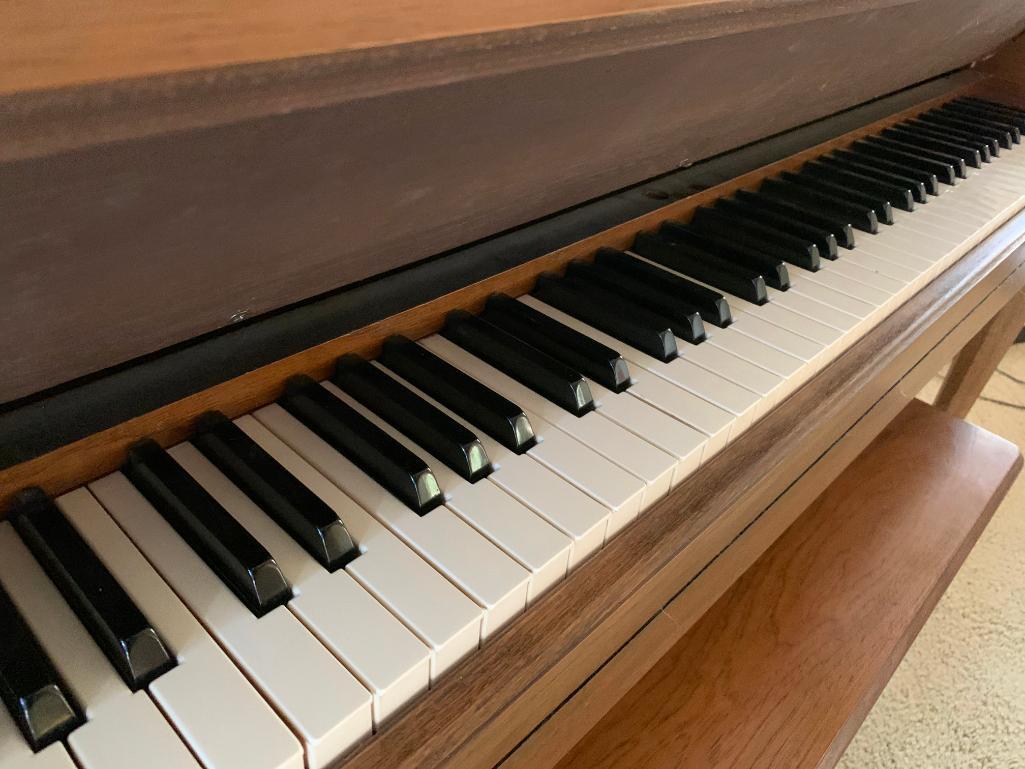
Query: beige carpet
pixel 957 701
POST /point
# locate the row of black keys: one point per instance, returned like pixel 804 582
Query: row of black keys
pixel 739 246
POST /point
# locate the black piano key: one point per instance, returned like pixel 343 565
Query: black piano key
pixel 877 203
pixel 944 172
pixel 421 421
pixel 969 155
pixel 225 546
pixel 837 224
pixel 899 167
pixel 997 139
pixel 919 193
pixel 824 240
pixel 120 629
pixel 1001 133
pixel 957 163
pixel 545 375
pixel 1002 130
pixel 685 319
pixel 772 270
pixel 296 509
pixel 36 696
pixel 996 112
pixel 603 364
pixel 860 216
pixel 1014 122
pixel 992 106
pixel 790 248
pixel 639 329
pixel 901 197
pixel 988 148
pixel 712 305
pixel 370 448
pixel 592 358
pixel 700 265
pixel 478 404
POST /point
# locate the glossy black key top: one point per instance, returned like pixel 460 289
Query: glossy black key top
pixel 1015 122
pixel 987 148
pixel 296 509
pixel 922 122
pixel 125 636
pixel 703 266
pixel 380 456
pixel 824 240
pixel 35 695
pixel 903 169
pixel 639 329
pixel 969 155
pixel 542 373
pixel 685 319
pixel 977 121
pixel 944 172
pixel 225 546
pixel 990 106
pixel 915 188
pixel 423 422
pixel 790 248
pixel 773 270
pixel 1001 133
pixel 860 216
pixel 877 203
pixel 603 364
pixel 477 403
pixel 957 163
pixel 900 197
pixel 712 305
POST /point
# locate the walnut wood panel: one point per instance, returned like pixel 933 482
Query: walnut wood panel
pixel 161 211
pixel 88 458
pixel 783 669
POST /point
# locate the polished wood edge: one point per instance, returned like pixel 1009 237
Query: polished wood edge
pixel 84 460
pixel 89 92
pixel 563 728
pixel 533 665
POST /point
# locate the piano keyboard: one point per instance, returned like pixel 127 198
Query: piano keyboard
pixel 271 591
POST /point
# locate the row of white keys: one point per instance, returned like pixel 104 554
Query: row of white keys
pixel 122 730
pixel 15 752
pixel 652 465
pixel 391 662
pixel 222 718
pixel 483 572
pixel 321 701
pixel 580 517
pixel 534 543
pixel 436 611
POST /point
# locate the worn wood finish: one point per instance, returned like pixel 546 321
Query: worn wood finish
pixel 977 361
pixel 74 464
pixel 783 669
pixel 160 210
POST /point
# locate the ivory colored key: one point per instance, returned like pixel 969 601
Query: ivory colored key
pixel 15 752
pixel 324 705
pixel 439 614
pixel 534 543
pixel 378 649
pixel 224 720
pixel 494 581
pixel 122 729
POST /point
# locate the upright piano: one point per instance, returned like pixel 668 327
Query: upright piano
pixel 374 373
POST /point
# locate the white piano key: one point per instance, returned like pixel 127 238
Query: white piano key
pixel 797 346
pixel 15 752
pixel 325 706
pixel 122 729
pixel 533 542
pixel 652 465
pixel 833 280
pixel 378 649
pixel 494 581
pixel 445 619
pixel 851 270
pixel 580 517
pixel 229 726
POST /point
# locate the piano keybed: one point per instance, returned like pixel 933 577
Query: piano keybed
pixel 271 591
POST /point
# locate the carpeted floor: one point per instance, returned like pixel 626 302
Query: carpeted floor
pixel 957 701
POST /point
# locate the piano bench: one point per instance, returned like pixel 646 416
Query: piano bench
pixel 782 670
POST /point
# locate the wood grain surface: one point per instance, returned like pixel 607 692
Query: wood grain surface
pixel 783 669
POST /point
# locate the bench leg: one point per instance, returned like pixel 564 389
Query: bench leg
pixel 975 364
